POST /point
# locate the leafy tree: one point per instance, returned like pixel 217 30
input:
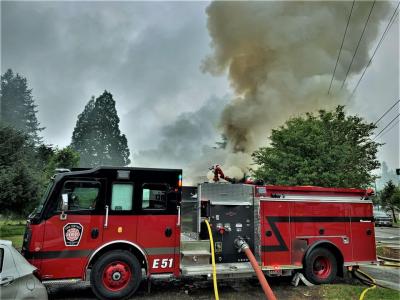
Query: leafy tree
pixel 97 137
pixel 65 158
pixel 19 182
pixel 390 198
pixel 18 108
pixel 330 149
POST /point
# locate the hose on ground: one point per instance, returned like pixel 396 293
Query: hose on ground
pixel 372 283
pixel 368 282
pixel 242 245
pixel 213 261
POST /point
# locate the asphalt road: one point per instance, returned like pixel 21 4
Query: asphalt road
pixel 387 234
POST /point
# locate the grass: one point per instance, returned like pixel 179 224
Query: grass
pixel 12 230
pixel 346 291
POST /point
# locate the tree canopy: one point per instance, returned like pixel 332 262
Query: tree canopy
pixel 390 198
pixel 20 183
pixel 18 107
pixel 328 149
pixel 26 169
pixel 97 137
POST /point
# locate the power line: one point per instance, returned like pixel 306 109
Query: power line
pixel 394 124
pixel 358 44
pixel 389 25
pixel 376 122
pixel 387 125
pixel 341 46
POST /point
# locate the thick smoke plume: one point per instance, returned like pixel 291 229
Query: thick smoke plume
pixel 280 56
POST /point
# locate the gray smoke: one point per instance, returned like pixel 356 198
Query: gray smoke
pixel 185 140
pixel 280 56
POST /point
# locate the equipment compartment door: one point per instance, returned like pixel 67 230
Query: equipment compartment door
pixel 363 233
pixel 275 233
pixel 158 228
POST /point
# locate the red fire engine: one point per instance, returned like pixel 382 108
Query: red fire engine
pixel 118 226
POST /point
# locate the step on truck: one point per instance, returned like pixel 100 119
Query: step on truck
pixel 116 227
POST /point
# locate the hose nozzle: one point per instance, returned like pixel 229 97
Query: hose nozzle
pixel 241 244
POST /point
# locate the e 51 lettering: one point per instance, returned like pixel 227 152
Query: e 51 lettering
pixel 163 263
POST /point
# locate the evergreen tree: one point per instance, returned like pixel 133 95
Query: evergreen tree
pixel 20 185
pixel 18 108
pixel 330 149
pixel 97 137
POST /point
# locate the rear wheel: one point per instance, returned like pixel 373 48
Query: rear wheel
pixel 116 275
pixel 320 266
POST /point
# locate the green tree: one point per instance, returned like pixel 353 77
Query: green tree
pixel 329 149
pixel 97 137
pixel 19 182
pixel 65 158
pixel 390 198
pixel 18 107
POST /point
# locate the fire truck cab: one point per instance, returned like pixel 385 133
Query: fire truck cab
pixel 116 226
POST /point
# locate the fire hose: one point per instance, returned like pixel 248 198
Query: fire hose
pixel 371 282
pixel 243 246
pixel 213 261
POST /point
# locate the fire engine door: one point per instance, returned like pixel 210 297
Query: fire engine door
pixel 158 228
pixel 275 235
pixel 70 236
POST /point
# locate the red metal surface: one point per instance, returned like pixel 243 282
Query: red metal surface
pixel 147 232
pixel 348 226
pixel 152 235
pixel 116 276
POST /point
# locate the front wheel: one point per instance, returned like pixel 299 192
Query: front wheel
pixel 320 266
pixel 116 275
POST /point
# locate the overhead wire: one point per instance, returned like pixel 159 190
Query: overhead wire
pixel 358 44
pixel 386 112
pixel 388 26
pixel 390 128
pixel 387 126
pixel 341 46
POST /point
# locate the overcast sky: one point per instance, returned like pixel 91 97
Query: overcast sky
pixel 148 55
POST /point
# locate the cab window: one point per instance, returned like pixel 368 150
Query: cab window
pixel 154 196
pixel 82 195
pixel 121 198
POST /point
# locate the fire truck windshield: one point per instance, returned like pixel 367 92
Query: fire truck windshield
pixel 39 208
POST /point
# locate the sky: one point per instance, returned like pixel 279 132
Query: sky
pixel 149 56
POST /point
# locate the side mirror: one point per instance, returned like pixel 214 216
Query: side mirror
pixel 64 205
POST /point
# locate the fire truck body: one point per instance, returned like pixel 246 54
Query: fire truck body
pixel 297 220
pixel 109 225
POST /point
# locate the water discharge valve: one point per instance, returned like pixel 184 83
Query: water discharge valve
pixel 220 228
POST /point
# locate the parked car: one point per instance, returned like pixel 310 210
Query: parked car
pixel 17 276
pixel 382 218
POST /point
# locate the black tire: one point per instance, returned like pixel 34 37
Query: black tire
pixel 111 266
pixel 320 266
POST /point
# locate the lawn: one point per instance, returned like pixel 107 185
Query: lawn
pixel 12 230
pixel 347 291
